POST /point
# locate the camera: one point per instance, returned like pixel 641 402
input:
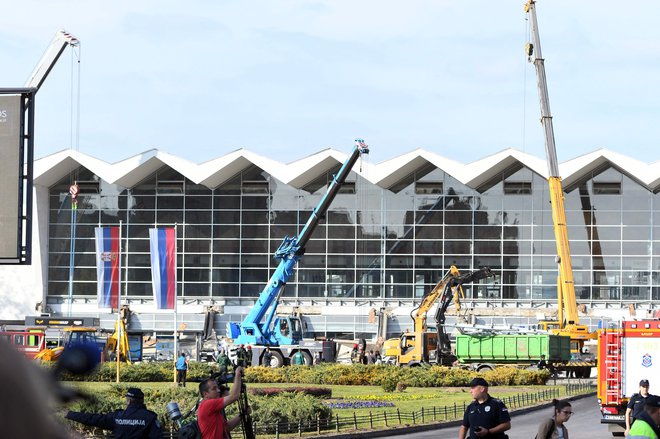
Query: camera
pixel 223 377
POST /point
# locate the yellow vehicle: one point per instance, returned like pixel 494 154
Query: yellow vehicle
pixel 567 322
pixel 424 346
pixel 88 335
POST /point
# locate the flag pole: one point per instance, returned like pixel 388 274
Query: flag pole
pixel 119 334
pixel 176 353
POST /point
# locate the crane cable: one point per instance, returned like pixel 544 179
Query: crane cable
pixel 73 178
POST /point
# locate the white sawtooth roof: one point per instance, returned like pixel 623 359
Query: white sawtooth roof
pixel 212 174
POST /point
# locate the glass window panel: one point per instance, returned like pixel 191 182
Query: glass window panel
pixel 255 275
pixel 195 275
pixel 318 246
pixel 164 202
pixel 493 262
pixel 635 248
pixel 457 247
pixel 139 275
pixel 607 218
pixel 198 202
pixel 428 232
pixel 636 233
pixel 341 232
pixel 428 247
pixel 169 217
pixel 487 232
pixel 254 232
pixel 487 247
pixel 458 232
pixel 516 232
pixel 226 245
pixel 142 217
pixel 365 246
pixel 400 247
pixel 399 261
pixel 631 218
pixel 517 262
pixel 254 246
pixel 255 217
pixel 227 231
pixel 225 275
pixel 227 202
pixel 607 233
pixel 225 289
pixel 193 231
pixel 341 246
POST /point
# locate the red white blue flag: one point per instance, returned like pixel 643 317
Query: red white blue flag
pixel 163 266
pixel 107 266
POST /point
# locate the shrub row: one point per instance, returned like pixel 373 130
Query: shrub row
pixel 283 407
pixel 390 377
pixel 143 372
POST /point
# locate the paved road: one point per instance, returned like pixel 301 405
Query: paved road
pixel 584 424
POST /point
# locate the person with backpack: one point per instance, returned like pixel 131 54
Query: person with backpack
pixel 554 427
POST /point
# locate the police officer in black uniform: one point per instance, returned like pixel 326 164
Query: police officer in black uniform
pixel 486 416
pixel 135 422
pixel 636 404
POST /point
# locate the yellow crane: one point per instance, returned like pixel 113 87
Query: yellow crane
pixel 568 322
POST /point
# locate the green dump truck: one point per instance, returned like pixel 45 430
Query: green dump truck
pixel 483 352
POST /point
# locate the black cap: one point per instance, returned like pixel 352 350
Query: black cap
pixel 652 401
pixel 134 392
pixel 478 381
pixel 644 383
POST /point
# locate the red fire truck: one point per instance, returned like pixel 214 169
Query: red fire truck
pixel 29 342
pixel 628 352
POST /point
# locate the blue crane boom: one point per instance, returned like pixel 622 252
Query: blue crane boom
pixel 252 330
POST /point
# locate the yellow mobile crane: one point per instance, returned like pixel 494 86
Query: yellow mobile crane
pixel 568 322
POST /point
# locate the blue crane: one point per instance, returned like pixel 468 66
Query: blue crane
pixel 274 331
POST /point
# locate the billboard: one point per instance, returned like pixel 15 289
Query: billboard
pixel 11 162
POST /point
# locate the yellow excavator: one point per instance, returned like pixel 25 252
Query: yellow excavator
pixel 423 346
pixel 568 322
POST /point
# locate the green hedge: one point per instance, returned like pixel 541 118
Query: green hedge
pixel 266 410
pixel 143 372
pixel 324 374
pixel 389 376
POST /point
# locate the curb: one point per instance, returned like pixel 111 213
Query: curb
pixel 393 431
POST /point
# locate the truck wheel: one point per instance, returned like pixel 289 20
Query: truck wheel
pixel 307 358
pixel 485 368
pixel 276 360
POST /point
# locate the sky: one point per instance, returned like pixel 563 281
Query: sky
pixel 288 78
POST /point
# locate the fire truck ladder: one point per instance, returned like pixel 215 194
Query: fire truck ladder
pixel 613 363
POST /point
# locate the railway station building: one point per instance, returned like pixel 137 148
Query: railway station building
pixel 394 229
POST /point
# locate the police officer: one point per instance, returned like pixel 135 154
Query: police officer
pixel 135 422
pixel 486 416
pixel 636 404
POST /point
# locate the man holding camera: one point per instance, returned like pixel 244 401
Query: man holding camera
pixel 211 412
pixel 486 416
pixel 135 422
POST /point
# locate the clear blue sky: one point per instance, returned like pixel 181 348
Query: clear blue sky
pixel 288 78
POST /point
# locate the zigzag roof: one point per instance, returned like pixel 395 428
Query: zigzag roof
pixel 299 173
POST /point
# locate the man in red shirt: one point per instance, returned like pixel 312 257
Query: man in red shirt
pixel 211 412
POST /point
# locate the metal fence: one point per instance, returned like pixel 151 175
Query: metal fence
pixel 397 417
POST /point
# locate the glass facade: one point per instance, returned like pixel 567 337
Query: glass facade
pixel 374 243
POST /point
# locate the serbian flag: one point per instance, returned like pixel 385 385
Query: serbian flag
pixel 107 266
pixel 163 266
